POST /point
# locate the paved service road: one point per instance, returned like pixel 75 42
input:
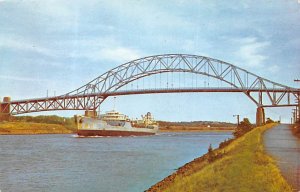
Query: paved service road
pixel 284 147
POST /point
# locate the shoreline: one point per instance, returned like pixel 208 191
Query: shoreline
pixel 33 128
pixel 164 131
pixel 192 130
pixel 38 134
pixel 197 128
pixel 202 174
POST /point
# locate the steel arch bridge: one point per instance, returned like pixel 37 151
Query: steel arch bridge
pixel 263 92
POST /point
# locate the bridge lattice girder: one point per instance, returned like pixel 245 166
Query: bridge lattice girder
pixel 83 102
pixel 236 77
pixel 91 95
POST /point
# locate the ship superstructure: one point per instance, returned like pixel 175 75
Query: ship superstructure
pixel 147 120
pixel 114 123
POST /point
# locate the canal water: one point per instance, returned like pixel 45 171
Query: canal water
pixel 109 164
pixel 281 144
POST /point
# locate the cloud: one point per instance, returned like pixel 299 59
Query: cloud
pixel 53 10
pixel 250 51
pixel 18 43
pixel 15 78
pixel 93 49
pixel 150 15
pixel 273 68
pixel 102 48
pixel 119 54
pixel 189 45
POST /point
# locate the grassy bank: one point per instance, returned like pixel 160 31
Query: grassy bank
pixel 54 124
pixel 26 125
pixel 240 166
pixel 188 128
pixel 26 128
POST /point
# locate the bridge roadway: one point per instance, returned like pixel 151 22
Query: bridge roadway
pixel 91 101
pixel 263 92
pixel 152 91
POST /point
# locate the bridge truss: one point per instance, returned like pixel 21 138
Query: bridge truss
pixel 263 92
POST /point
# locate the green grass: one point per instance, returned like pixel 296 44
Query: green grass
pixel 244 166
pixel 9 128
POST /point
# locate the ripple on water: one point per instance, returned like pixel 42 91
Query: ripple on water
pixel 65 163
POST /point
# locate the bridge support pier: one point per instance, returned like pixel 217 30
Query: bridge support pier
pixel 260 116
pixel 5 109
pixel 90 113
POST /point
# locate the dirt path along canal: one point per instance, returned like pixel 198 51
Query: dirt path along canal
pixel 284 147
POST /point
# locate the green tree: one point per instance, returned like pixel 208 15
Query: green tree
pixel 244 127
pixel 211 154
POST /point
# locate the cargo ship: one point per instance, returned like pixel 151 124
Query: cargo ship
pixel 113 123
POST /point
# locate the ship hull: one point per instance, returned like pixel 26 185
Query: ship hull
pixel 114 133
pixel 95 127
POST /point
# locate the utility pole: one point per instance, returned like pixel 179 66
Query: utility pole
pixel 279 118
pixel 297 114
pixel 294 115
pixel 297 119
pixel 238 119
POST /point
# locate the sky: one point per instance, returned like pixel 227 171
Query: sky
pixel 58 46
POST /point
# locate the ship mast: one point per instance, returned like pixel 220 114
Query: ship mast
pixel 114 104
pixel 99 111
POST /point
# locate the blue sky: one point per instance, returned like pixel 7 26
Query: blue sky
pixel 61 45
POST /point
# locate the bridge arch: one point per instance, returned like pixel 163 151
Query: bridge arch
pixel 91 95
pixel 234 76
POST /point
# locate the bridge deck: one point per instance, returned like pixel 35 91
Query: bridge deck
pixel 152 91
